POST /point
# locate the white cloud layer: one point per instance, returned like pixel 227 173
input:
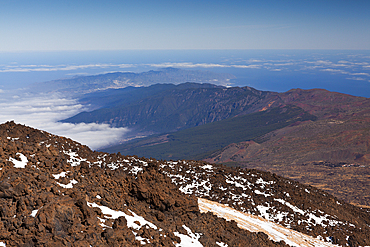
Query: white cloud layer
pixel 43 112
pixel 49 68
pixel 283 63
pixel 204 65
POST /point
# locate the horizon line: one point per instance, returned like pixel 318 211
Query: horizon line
pixel 190 49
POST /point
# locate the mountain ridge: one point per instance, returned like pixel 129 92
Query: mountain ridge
pixel 186 105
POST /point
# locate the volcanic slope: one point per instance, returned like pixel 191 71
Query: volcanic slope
pixel 331 153
pixel 56 191
pixel 197 142
pixel 172 107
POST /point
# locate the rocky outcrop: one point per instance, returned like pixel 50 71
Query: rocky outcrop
pixel 54 191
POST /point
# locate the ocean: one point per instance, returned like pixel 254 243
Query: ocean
pixel 271 70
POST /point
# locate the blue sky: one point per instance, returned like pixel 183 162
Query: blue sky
pixel 123 25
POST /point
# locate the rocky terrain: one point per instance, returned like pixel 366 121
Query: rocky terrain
pixel 54 191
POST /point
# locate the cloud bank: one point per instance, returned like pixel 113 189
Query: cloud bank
pixel 50 68
pixel 43 112
pixel 346 64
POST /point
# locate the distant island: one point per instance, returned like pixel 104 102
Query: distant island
pixel 88 84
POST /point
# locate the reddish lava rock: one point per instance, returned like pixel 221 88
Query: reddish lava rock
pixel 56 192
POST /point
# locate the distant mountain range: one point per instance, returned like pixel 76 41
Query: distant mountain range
pixel 167 107
pixel 57 192
pixel 191 112
pixel 280 132
pixel 86 84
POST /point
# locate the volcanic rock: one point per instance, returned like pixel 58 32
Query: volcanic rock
pixel 54 191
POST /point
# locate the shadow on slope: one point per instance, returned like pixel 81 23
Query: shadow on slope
pixel 195 143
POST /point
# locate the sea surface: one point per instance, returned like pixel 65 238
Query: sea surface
pixel 271 70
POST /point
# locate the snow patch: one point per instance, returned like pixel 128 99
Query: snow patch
pixel 258 224
pixel 34 212
pixel 19 164
pixel 69 185
pixel 74 159
pixel 12 139
pixel 131 220
pixel 189 188
pixel 261 181
pixel 221 244
pixel 192 239
pixel 207 167
pixel 136 169
pixel 318 220
pixel 294 208
pixel 62 174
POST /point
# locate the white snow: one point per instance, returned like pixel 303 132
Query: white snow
pixel 196 185
pixel 294 208
pixel 239 182
pixel 190 240
pixel 133 221
pixel 318 220
pixel 69 185
pixel 261 181
pixel 113 214
pixel 102 221
pixel 263 211
pixel 207 167
pixel 62 174
pixel 221 244
pixel 257 224
pixel 74 159
pixel 175 177
pixel 141 239
pixel 19 164
pixel 13 139
pixel 261 193
pixel 136 169
pixel 34 212
pixel 113 166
